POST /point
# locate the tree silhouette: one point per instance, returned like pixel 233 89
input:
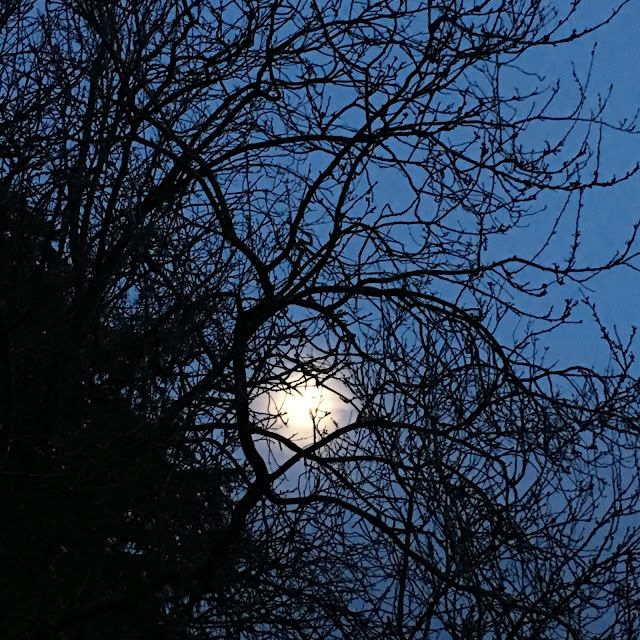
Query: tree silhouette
pixel 206 205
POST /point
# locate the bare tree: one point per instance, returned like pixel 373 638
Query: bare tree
pixel 207 204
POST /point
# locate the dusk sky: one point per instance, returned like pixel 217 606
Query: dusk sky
pixel 609 214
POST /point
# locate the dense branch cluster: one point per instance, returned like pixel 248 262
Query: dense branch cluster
pixel 208 203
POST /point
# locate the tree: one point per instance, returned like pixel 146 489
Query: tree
pixel 206 204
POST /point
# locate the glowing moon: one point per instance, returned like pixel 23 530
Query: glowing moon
pixel 295 411
pixel 302 407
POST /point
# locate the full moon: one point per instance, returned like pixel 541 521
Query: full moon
pixel 301 408
pixel 303 412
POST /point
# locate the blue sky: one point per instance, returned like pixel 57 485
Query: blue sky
pixel 608 214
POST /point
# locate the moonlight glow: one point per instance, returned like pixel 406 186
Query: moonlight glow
pixel 295 411
pixel 301 407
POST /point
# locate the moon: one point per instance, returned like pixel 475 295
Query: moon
pixel 303 407
pixel 303 412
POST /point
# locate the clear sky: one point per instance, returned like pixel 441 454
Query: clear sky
pixel 609 214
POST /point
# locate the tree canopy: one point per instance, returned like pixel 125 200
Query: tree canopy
pixel 208 206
